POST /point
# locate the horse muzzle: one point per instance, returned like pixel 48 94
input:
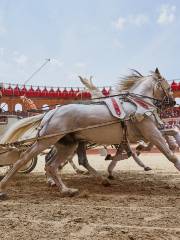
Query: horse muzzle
pixel 169 102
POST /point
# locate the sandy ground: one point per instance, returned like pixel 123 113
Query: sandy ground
pixel 138 204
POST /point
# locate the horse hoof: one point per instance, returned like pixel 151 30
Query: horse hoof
pixel 51 183
pixel 3 196
pixel 70 192
pixel 111 177
pixel 108 157
pixel 147 169
pixel 106 182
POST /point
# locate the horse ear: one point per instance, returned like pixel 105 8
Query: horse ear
pixel 90 79
pixel 81 78
pixel 157 73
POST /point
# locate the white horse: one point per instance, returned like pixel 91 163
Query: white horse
pixel 96 93
pixel 96 124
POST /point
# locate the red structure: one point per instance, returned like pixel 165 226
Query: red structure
pixel 42 96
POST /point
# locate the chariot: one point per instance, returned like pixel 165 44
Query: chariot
pixel 5 122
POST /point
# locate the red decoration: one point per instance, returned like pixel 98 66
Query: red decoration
pixel 23 90
pixel 179 86
pixel 116 106
pixel 88 95
pixel 71 94
pixel 30 92
pixel 8 91
pixel 37 92
pixel 51 93
pixel 58 93
pixel 104 92
pixel 44 92
pixel 85 95
pixel 16 91
pixel 3 91
pixel 108 91
pixel 174 86
pixel 65 94
pixel 76 94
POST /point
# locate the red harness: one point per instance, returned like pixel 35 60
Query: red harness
pixel 116 107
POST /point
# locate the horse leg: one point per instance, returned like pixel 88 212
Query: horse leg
pixel 57 160
pixel 25 157
pixel 76 169
pixel 111 168
pixel 177 138
pixel 154 136
pixel 119 154
pixel 163 147
pixel 171 142
pixel 48 158
pixel 139 162
pixel 82 159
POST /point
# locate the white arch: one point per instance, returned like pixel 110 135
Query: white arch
pixel 18 107
pixel 4 107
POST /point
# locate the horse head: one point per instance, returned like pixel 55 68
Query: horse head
pixel 153 87
pixel 162 90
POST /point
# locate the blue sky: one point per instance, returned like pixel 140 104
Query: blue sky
pixel 102 38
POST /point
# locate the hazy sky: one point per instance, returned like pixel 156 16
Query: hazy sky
pixel 103 38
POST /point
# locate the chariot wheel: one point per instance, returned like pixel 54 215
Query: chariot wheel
pixel 29 167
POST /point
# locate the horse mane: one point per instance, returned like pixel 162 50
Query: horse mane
pixel 130 80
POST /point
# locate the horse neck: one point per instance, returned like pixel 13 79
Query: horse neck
pixel 144 87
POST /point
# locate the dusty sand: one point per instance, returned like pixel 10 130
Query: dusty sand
pixel 138 204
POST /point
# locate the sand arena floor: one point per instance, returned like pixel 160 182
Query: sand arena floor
pixel 138 205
